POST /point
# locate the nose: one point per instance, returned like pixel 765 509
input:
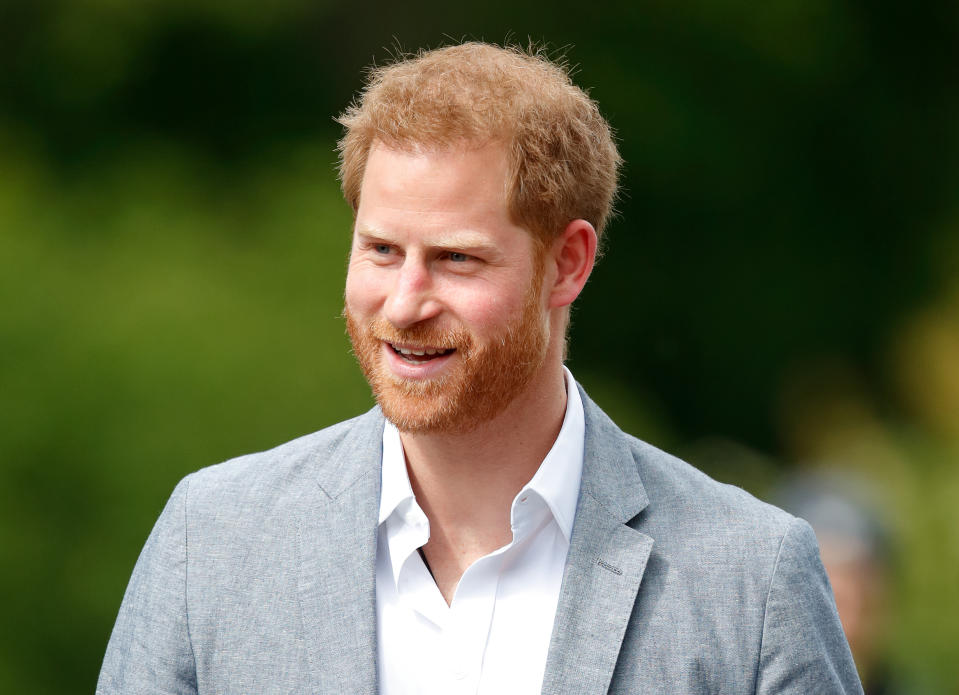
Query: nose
pixel 411 299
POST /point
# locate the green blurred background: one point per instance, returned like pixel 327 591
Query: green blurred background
pixel 780 291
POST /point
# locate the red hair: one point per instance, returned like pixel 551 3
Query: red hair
pixel 562 157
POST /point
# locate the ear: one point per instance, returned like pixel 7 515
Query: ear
pixel 573 254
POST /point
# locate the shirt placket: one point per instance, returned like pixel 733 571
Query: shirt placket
pixel 470 618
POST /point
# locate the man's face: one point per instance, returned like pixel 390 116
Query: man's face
pixel 444 293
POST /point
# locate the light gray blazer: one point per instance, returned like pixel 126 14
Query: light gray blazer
pixel 259 578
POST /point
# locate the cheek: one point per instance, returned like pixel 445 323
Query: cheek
pixel 489 307
pixel 488 311
pixel 363 290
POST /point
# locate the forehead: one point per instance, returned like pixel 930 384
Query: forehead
pixel 466 182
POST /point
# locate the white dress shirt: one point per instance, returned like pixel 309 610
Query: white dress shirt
pixel 494 636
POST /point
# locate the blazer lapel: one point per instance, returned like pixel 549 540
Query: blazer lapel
pixel 336 540
pixel 604 566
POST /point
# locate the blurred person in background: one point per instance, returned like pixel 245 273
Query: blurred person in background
pixel 486 528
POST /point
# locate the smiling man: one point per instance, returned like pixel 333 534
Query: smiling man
pixel 444 291
pixel 486 528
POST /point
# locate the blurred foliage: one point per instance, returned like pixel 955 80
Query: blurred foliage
pixel 779 288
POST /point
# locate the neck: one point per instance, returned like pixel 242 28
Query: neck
pixel 466 482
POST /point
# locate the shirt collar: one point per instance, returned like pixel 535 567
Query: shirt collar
pixel 556 481
pixel 396 488
pixel 402 520
pixel 558 477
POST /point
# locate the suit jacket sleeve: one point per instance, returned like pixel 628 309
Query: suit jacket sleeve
pixel 803 647
pixel 149 650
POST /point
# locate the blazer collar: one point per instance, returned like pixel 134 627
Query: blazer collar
pixel 356 453
pixel 604 566
pixel 336 545
pixel 610 473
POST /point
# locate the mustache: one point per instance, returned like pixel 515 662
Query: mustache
pixel 426 333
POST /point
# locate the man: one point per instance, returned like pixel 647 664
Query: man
pixel 486 529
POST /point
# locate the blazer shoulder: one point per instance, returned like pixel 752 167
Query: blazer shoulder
pixel 329 458
pixel 746 578
pixel 681 494
pixel 664 495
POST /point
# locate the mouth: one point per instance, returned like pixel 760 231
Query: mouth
pixel 412 354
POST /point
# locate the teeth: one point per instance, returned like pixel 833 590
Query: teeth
pixel 420 353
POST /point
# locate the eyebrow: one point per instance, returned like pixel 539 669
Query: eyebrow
pixel 463 241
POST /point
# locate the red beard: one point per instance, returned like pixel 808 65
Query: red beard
pixel 482 379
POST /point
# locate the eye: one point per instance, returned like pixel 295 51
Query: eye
pixel 382 248
pixel 457 257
